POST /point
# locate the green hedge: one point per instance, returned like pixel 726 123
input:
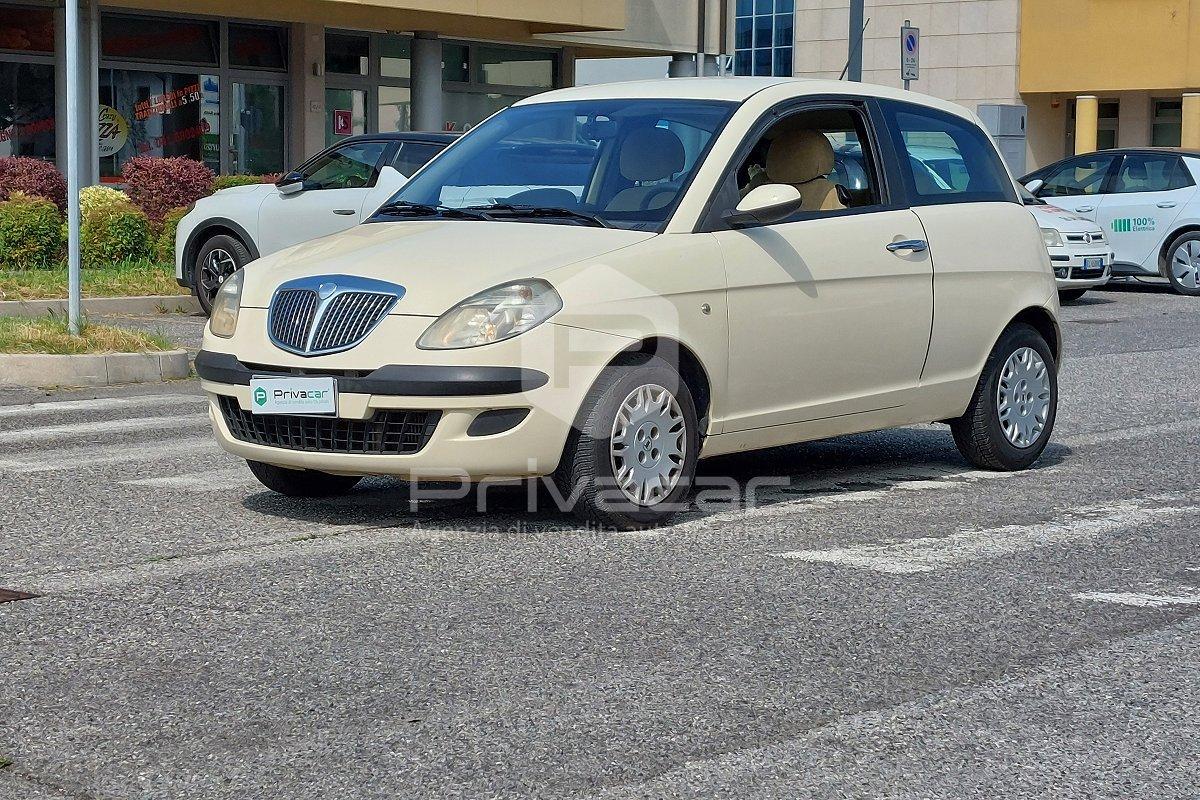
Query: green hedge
pixel 230 181
pixel 165 245
pixel 31 232
pixel 115 234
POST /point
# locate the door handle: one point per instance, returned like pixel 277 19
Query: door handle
pixel 1085 209
pixel 914 245
pixel 1167 204
pixel 345 212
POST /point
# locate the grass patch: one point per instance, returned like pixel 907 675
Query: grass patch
pixel 50 335
pixel 129 279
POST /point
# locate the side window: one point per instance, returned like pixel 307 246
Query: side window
pixel 353 166
pixel 949 159
pixel 824 153
pixel 1079 176
pixel 414 155
pixel 1151 173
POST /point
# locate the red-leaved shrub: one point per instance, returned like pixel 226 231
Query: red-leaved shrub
pixel 157 185
pixel 34 177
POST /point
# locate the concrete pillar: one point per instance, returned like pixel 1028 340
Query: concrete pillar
pixel 1087 120
pixel 710 66
pixel 1191 121
pixel 306 106
pixel 427 82
pixel 683 65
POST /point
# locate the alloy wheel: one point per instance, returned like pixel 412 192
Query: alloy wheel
pixel 1185 264
pixel 218 265
pixel 648 444
pixel 1023 397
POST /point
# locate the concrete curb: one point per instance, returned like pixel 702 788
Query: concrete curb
pixel 41 371
pixel 101 306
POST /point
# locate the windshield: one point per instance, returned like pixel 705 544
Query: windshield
pixel 615 163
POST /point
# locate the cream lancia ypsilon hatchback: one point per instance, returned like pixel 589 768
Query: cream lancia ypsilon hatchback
pixel 602 285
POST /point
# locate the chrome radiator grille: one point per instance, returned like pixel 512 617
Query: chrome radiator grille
pixel 328 314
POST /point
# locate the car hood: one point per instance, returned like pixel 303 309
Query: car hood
pixel 438 262
pixel 1062 220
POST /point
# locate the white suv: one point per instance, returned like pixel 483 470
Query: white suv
pixel 706 289
pixel 332 191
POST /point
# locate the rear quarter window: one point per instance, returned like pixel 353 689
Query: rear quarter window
pixel 946 159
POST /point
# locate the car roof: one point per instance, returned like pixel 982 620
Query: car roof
pixel 405 136
pixel 1182 151
pixel 736 89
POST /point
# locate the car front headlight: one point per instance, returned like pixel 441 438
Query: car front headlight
pixel 1051 237
pixel 223 320
pixel 499 313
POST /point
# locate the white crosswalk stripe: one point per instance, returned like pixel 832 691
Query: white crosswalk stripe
pixel 203 481
pixel 1141 599
pixel 53 432
pixel 78 458
pixel 100 404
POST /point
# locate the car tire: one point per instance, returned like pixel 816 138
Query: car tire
pixel 1182 267
pixel 302 482
pixel 639 422
pixel 219 257
pixel 1070 295
pixel 1011 434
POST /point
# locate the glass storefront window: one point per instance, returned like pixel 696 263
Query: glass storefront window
pixel 395 109
pixel 160 39
pixel 258 133
pixel 345 114
pixel 27 29
pixel 511 66
pixel 395 57
pixel 257 47
pixel 456 63
pixel 1168 123
pixel 346 54
pixel 164 114
pixel 26 110
pixel 464 110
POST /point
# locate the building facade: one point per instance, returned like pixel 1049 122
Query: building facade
pixel 254 86
pixel 1128 64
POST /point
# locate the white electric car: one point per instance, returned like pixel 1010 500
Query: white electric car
pixel 1079 250
pixel 332 191
pixel 707 289
pixel 1146 200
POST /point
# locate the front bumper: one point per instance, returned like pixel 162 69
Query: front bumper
pixel 543 374
pixel 1069 271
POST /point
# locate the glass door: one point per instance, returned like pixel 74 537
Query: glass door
pixel 257 142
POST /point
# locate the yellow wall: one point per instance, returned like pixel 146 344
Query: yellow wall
pixel 1089 46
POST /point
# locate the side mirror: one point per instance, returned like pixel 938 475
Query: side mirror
pixel 764 205
pixel 292 183
pixel 1035 184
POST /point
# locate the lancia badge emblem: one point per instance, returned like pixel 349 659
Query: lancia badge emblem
pixel 326 290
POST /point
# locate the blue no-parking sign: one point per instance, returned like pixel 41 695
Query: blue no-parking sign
pixel 910 53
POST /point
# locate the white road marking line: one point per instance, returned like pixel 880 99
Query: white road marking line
pixel 928 554
pixel 60 460
pixel 1141 599
pixel 50 432
pixel 211 480
pixel 1125 434
pixel 101 404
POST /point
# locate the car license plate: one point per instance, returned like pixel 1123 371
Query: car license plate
pixel 1094 262
pixel 293 395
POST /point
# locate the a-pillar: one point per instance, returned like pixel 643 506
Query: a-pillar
pixel 1087 121
pixel 427 82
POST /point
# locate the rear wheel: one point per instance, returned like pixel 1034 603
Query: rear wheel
pixel 218 258
pixel 1011 416
pixel 631 461
pixel 1183 264
pixel 1070 295
pixel 302 483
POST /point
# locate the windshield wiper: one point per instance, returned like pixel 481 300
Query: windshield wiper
pixel 541 211
pixel 404 207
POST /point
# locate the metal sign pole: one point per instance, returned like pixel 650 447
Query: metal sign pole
pixel 73 46
pixel 854 66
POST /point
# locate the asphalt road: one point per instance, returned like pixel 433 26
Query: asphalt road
pixel 891 623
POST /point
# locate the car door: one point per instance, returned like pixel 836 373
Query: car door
pixel 335 189
pixel 1147 195
pixel 1079 184
pixel 827 315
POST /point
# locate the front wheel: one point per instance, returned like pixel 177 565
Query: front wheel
pixel 1011 416
pixel 218 258
pixel 1183 264
pixel 302 482
pixel 631 460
